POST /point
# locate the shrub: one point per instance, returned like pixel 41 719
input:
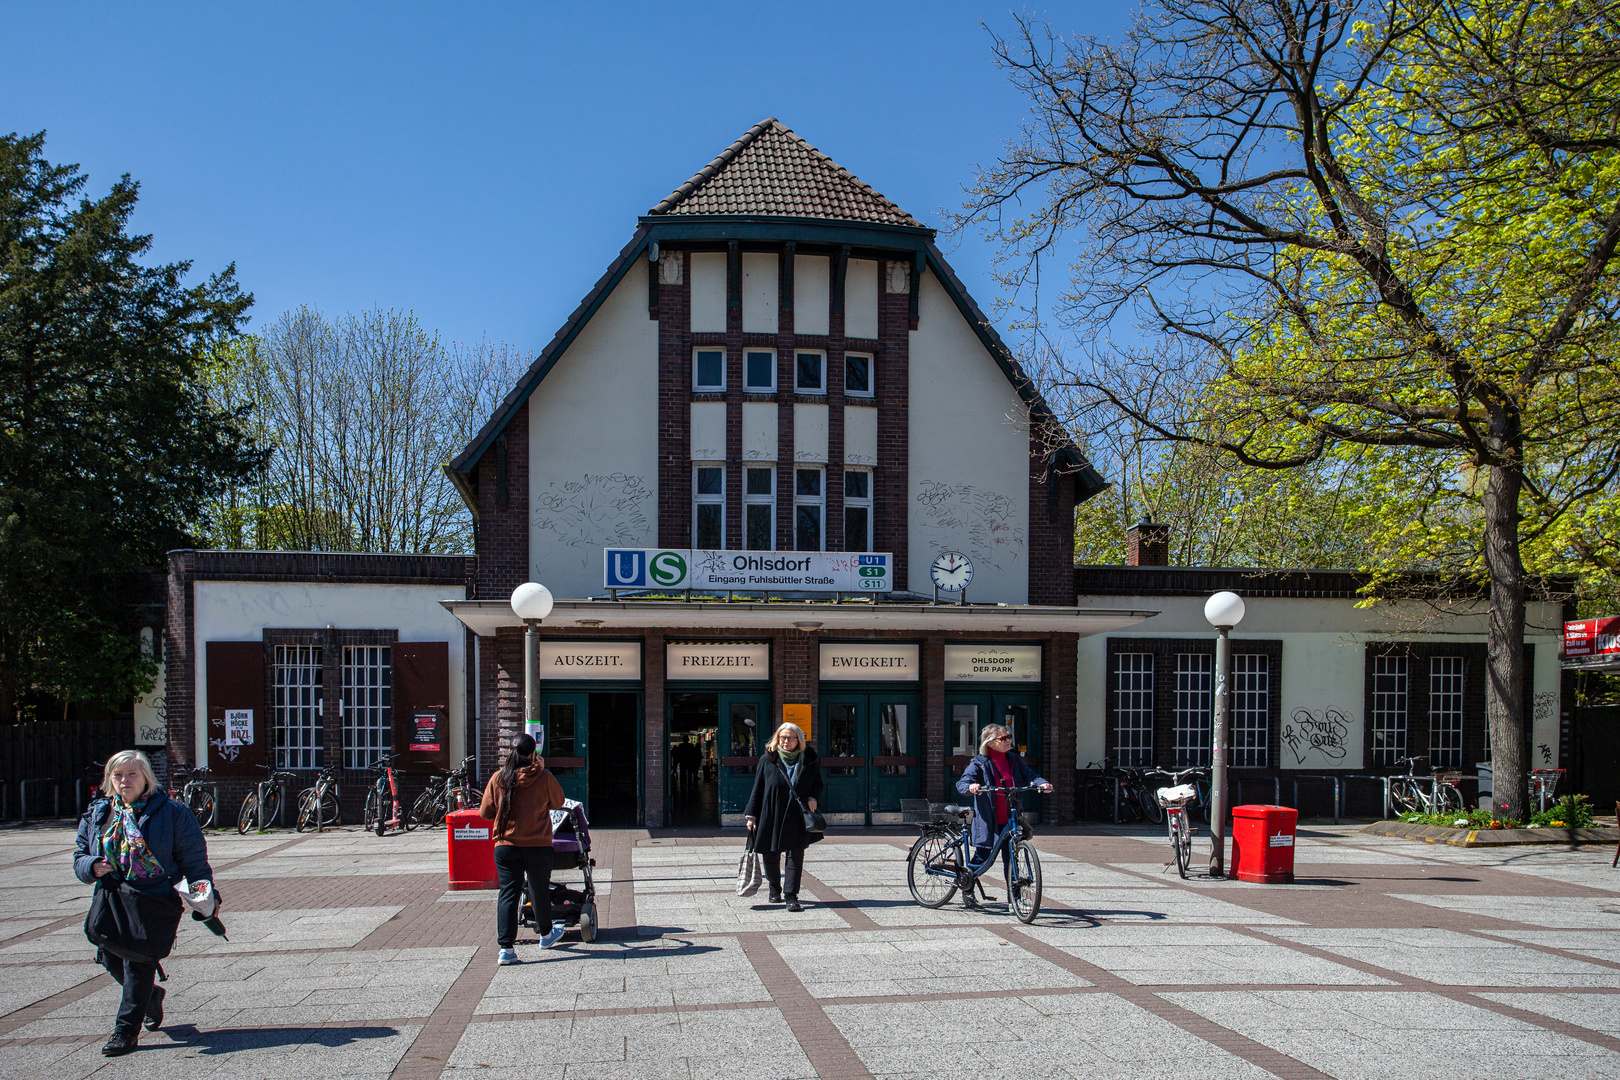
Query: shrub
pixel 1571 812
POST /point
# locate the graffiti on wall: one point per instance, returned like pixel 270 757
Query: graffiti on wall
pixel 1323 732
pixel 596 511
pixel 982 523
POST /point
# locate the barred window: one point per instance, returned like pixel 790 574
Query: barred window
pixel 296 710
pixel 1133 708
pixel 1389 710
pixel 1251 710
pixel 1446 712
pixel 1195 706
pixel 368 704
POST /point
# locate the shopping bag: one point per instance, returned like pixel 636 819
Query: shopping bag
pixel 749 872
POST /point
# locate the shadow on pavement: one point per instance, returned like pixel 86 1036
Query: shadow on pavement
pixel 235 1040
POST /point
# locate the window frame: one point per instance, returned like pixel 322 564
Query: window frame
pixel 1141 667
pixel 1164 651
pixel 308 658
pixel 699 387
pixel 753 499
pixel 820 355
pixel 871 375
pixel 364 756
pixel 700 499
pixel 818 501
pixel 859 503
pixel 749 353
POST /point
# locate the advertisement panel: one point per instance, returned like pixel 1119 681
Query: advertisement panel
pixel 1592 640
pixel 678 569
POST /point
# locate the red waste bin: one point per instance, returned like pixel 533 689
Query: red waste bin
pixel 1263 843
pixel 472 850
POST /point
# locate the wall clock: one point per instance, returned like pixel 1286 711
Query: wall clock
pixel 951 571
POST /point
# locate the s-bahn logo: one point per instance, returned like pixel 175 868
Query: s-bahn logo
pixel 667 568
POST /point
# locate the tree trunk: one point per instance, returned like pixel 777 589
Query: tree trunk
pixel 1504 666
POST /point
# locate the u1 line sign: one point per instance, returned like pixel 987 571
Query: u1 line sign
pixel 747 571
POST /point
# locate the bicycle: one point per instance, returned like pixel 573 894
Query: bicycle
pixel 1408 797
pixel 940 863
pixel 199 794
pixel 383 810
pixel 445 792
pixel 263 804
pixel 318 807
pixel 1174 800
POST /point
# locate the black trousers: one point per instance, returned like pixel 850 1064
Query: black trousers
pixel 795 869
pixel 137 980
pixel 512 865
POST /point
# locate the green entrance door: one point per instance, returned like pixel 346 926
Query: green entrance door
pixel 968 714
pixel 593 748
pixel 568 737
pixel 868 747
pixel 725 728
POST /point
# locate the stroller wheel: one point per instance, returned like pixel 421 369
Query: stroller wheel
pixel 587 923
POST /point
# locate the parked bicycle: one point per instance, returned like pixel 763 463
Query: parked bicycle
pixel 1176 800
pixel 383 809
pixel 445 792
pixel 1407 794
pixel 941 863
pixel 262 806
pixel 318 807
pixel 199 793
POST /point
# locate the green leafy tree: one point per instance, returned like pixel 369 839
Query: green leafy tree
pixel 108 445
pixel 1387 229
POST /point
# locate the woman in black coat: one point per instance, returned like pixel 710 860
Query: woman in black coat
pixel 787 769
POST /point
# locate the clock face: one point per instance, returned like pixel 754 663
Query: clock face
pixel 951 571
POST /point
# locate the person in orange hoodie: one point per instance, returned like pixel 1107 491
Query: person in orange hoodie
pixel 519 799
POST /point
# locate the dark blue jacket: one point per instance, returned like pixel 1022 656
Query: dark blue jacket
pixel 980 771
pixel 171 832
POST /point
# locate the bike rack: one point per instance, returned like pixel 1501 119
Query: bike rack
pixel 1389 808
pixel 22 789
pixel 1338 803
pixel 1239 781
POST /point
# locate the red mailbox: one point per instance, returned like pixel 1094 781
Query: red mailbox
pixel 1263 843
pixel 472 850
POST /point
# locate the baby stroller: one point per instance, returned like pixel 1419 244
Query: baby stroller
pixel 571 848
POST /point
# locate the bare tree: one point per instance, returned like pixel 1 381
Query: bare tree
pixel 1390 227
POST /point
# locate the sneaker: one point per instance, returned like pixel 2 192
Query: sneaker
pixel 508 956
pixel 121 1043
pixel 553 936
pixel 154 1009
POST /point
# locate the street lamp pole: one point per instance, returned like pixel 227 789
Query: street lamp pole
pixel 1224 610
pixel 531 602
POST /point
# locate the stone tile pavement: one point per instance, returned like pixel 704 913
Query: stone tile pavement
pixel 348 958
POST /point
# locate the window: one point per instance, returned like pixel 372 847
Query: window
pixel 857 510
pixel 807 509
pixel 1251 711
pixel 297 706
pixel 368 704
pixel 709 507
pixel 560 729
pixel 759 508
pixel 1195 708
pixel 809 373
pixel 1133 708
pixel 965 722
pixel 1446 712
pixel 840 739
pixel 892 726
pixel 1389 710
pixel 709 369
pixel 857 375
pixel 759 371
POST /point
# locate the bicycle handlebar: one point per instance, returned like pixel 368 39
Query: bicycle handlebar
pixel 1176 775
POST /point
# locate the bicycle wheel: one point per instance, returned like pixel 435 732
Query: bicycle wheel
pixel 1024 884
pixel 202 807
pixel 1405 797
pixel 306 810
pixel 249 811
pixel 1150 804
pixel 931 871
pixel 270 815
pixel 1181 840
pixel 1449 800
pixel 426 811
pixel 331 811
pixel 373 811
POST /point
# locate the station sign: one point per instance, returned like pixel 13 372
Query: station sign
pixel 679 569
pixel 865 661
pixel 730 661
pixel 992 663
pixel 593 660
pixel 1592 643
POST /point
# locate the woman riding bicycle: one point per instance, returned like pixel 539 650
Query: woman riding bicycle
pixel 998 764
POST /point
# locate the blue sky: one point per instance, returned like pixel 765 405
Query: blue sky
pixel 481 164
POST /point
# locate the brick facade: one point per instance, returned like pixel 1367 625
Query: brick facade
pixel 503 511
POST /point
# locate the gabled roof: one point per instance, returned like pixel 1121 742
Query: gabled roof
pixel 771 172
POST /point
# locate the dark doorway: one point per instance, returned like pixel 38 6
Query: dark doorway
pixel 614 772
pixel 1596 771
pixel 694 787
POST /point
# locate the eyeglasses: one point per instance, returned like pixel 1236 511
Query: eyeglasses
pixel 1002 738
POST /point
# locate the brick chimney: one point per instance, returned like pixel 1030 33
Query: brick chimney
pixel 1147 544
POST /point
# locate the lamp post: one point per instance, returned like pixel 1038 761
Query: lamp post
pixel 531 602
pixel 1224 610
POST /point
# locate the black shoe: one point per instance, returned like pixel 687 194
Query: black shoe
pixel 971 901
pixel 793 904
pixel 775 898
pixel 154 1009
pixel 121 1043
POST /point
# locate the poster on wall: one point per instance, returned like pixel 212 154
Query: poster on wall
pixel 238 727
pixel 425 731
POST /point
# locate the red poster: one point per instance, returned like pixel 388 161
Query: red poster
pixel 425 731
pixel 1592 637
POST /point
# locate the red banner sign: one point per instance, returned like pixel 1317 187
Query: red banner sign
pixel 1592 637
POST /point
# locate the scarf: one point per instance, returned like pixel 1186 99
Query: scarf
pixel 123 845
pixel 792 762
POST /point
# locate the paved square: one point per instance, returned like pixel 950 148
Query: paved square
pixel 348 957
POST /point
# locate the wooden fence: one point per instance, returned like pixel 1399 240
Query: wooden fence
pixel 54 754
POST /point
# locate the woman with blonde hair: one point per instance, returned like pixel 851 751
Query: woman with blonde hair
pixel 998 764
pixel 135 844
pixel 787 782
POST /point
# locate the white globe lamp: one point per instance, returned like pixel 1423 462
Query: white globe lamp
pixel 1224 610
pixel 531 601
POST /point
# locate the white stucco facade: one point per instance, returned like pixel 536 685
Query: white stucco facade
pixel 593 445
pixel 243 610
pixel 969 462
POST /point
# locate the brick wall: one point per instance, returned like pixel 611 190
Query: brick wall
pixel 1051 531
pixel 891 489
pixel 503 511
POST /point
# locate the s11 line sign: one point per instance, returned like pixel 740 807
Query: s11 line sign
pixel 678 569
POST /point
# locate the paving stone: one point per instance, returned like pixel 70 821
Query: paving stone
pixel 911 962
pixel 1182 955
pixel 1596 1012
pixel 668 971
pixel 22 986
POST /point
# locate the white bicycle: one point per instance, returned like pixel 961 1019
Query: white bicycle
pixel 1174 799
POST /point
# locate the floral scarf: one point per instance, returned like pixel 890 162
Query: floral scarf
pixel 791 763
pixel 123 845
